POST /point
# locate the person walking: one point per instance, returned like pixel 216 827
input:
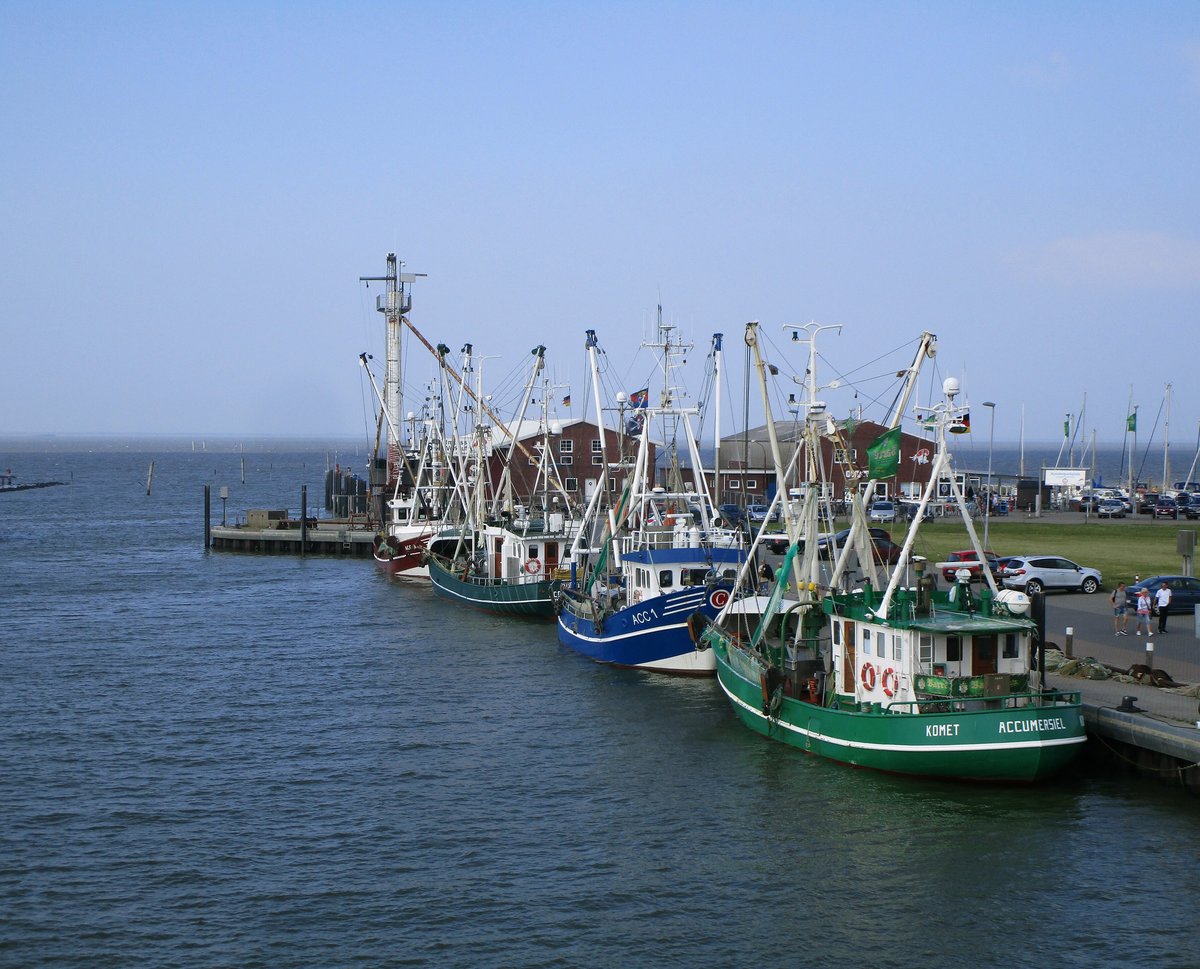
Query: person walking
pixel 1120 611
pixel 1143 611
pixel 1162 605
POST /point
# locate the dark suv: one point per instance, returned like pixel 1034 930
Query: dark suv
pixel 1166 507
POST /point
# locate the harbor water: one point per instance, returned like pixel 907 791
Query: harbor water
pixel 228 760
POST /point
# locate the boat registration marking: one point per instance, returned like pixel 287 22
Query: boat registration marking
pixel 1032 725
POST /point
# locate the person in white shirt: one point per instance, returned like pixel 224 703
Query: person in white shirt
pixel 1162 602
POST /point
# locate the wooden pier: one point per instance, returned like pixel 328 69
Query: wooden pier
pixel 270 531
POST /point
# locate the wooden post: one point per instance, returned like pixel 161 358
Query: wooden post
pixel 303 519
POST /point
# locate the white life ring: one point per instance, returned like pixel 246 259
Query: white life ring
pixel 533 566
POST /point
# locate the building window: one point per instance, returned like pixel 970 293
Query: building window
pixel 845 455
pixel 613 485
pixel 752 484
pixel 734 484
pixel 597 445
pixel 566 447
pixel 598 460
pixel 571 484
pixel 566 459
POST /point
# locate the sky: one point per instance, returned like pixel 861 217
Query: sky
pixel 191 191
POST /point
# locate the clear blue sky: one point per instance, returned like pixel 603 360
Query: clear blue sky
pixel 190 192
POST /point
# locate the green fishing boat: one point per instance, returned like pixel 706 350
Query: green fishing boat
pixel 908 678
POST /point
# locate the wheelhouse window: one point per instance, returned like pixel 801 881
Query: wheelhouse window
pixel 925 646
pixel 666 579
pixel 897 647
pixel 953 649
pixel 1012 645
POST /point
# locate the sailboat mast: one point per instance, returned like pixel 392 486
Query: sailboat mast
pixel 1166 481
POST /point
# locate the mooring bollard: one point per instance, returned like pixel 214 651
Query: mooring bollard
pixel 1150 656
pixel 1070 644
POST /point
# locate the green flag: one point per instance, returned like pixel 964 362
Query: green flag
pixel 1131 422
pixel 1067 427
pixel 883 455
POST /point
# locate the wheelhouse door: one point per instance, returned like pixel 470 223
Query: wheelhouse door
pixel 983 655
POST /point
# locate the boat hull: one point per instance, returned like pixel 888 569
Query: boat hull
pixel 650 635
pixel 529 599
pixel 403 558
pixel 1024 744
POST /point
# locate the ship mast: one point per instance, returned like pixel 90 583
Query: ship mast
pixel 393 303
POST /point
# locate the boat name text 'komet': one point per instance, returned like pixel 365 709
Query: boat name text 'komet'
pixel 942 730
pixel 1031 726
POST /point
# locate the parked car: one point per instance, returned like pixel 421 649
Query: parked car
pixel 950 570
pixel 731 515
pixel 1002 563
pixel 1146 502
pixel 886 551
pixel 1185 591
pixel 1111 508
pixel 1166 507
pixel 1035 573
pixel 1089 503
pixel 882 511
pixel 1192 509
pixel 758 513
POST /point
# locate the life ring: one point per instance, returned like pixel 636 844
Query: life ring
pixel 868 676
pixel 533 566
pixel 891 681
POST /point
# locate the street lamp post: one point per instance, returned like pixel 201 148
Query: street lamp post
pixel 987 509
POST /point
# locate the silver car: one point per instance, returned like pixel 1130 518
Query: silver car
pixel 1034 573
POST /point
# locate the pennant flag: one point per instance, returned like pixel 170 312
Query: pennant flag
pixel 883 455
pixel 1067 427
pixel 640 398
pixel 1131 422
pixel 966 423
pixel 567 401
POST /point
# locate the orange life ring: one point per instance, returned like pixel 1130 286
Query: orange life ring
pixel 868 676
pixel 533 566
pixel 891 681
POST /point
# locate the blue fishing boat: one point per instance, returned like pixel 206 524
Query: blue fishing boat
pixel 645 570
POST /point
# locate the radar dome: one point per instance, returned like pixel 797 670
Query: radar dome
pixel 951 387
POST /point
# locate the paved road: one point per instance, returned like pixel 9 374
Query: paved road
pixel 1178 653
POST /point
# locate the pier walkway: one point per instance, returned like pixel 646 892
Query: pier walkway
pixel 1161 734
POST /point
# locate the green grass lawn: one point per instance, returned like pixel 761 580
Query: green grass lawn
pixel 1119 549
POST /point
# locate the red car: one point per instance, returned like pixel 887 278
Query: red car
pixel 949 570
